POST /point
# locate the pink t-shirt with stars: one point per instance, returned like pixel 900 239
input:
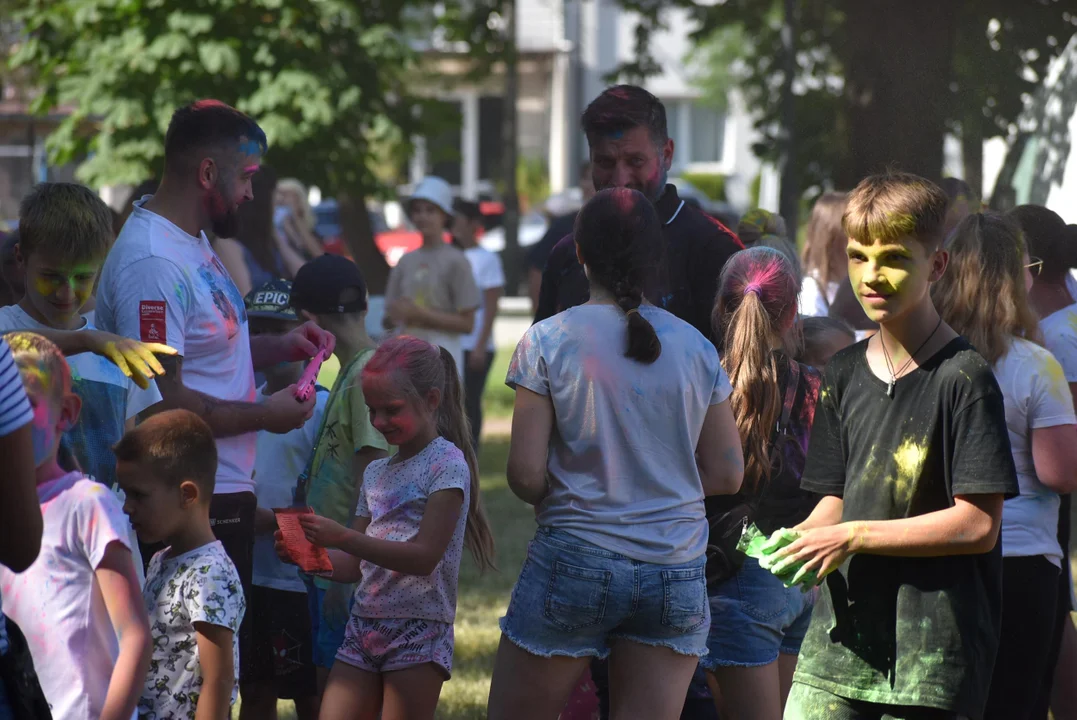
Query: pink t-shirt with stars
pixel 393 496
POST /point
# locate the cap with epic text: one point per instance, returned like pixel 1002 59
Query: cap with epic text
pixel 329 284
pixel 272 300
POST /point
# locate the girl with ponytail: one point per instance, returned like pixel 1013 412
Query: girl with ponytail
pixel 417 510
pixel 621 427
pixel 757 624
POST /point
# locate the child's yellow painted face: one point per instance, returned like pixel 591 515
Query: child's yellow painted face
pixel 890 277
pixel 58 290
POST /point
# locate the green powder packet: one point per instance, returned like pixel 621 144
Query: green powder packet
pixel 755 544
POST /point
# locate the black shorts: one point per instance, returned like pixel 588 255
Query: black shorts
pixel 281 652
pixel 232 519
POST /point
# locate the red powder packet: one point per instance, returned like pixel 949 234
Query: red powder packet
pixel 310 558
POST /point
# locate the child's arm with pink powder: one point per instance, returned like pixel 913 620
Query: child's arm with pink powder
pixel 346 568
pixel 218 673
pixel 118 581
pixel 418 556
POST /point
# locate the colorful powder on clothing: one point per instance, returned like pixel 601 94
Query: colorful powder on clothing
pixel 909 460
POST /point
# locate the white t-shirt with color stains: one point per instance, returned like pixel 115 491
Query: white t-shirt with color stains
pixel 57 601
pixel 1036 395
pixel 160 284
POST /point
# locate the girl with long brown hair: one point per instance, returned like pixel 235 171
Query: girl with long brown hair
pixel 984 296
pixel 757 624
pixel 823 257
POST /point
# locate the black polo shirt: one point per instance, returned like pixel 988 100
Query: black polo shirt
pixel 697 247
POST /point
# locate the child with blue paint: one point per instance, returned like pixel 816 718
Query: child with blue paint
pixel 758 624
pixel 79 604
pixel 911 453
pixel 416 512
pixel 984 296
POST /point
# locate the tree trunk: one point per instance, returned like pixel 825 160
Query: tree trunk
pixel 898 58
pixel 972 154
pixel 358 234
pixel 511 256
pixel 789 196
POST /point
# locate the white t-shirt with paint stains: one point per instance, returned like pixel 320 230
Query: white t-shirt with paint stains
pixel 160 284
pixel 57 601
pixel 1036 395
pixel 1059 331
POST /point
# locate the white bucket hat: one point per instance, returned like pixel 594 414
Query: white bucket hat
pixel 435 190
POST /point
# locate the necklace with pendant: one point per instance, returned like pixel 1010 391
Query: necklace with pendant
pixel 890 364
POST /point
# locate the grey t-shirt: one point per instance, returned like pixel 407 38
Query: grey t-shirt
pixel 622 464
pixel 438 278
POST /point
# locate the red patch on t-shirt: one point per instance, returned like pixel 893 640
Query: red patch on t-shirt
pixel 151 321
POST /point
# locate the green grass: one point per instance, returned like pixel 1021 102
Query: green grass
pixel 499 398
pixel 482 598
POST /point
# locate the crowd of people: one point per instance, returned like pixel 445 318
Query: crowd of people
pixel 828 484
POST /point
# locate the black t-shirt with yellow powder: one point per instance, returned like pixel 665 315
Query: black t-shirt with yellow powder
pixel 908 631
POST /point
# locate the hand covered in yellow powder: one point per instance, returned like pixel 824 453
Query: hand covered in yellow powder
pixel 815 554
pixel 137 360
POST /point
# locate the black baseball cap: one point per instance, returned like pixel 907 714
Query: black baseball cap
pixel 272 300
pixel 329 284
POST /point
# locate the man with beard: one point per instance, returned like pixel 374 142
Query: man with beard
pixel 630 147
pixel 162 280
pixel 626 131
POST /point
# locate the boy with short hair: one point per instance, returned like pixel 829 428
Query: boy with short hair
pixel 78 604
pixel 166 466
pixel 478 345
pixel 331 291
pixel 65 232
pixel 910 450
pixel 281 664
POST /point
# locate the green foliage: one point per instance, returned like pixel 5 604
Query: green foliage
pixel 1000 52
pixel 532 181
pixel 712 184
pixel 332 82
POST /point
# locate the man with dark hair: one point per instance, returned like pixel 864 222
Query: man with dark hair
pixel 560 226
pixel 630 147
pixel 162 282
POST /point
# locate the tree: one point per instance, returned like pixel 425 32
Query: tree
pixel 879 82
pixel 332 82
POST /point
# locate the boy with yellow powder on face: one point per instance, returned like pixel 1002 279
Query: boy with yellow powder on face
pixel 65 232
pixel 911 453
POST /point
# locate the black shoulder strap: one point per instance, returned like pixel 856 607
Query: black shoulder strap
pixel 790 394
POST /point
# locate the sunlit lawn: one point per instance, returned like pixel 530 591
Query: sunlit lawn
pixel 482 599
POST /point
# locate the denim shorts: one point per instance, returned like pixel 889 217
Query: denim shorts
pixel 754 617
pixel 573 599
